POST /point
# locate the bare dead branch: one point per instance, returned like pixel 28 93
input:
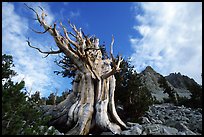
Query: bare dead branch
pixel 111 46
pixel 44 52
pixel 39 31
pixel 55 30
pixel 60 41
pixel 83 34
pixel 70 23
pixel 31 8
pixel 65 30
pixel 67 39
pixel 41 8
pixel 120 59
pixel 72 34
pixel 115 68
pixel 90 64
pixel 91 49
pixel 41 21
pixel 78 33
pixel 38 18
pixel 111 52
pixel 43 14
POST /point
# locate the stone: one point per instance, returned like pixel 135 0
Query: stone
pixel 145 120
pixel 152 129
pixel 169 119
pixel 181 133
pixel 189 132
pixel 56 132
pixel 106 133
pixel 134 130
pixel 158 122
pixel 158 129
pixel 181 127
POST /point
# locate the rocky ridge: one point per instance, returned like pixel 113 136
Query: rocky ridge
pixel 166 119
pixel 150 77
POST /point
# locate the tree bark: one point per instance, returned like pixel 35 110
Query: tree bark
pixel 91 104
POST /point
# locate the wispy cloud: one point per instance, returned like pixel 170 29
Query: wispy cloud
pixel 74 14
pixel 36 71
pixel 171 38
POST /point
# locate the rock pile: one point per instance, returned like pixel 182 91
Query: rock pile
pixel 167 119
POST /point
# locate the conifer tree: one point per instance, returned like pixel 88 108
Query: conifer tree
pixel 131 94
pixel 20 115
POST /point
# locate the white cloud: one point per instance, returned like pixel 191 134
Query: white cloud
pixel 36 71
pixel 172 38
pixel 143 29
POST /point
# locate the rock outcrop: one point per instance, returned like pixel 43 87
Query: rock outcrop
pixel 167 119
pixel 180 81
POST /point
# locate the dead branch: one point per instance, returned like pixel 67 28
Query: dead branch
pixel 41 21
pixel 115 68
pixel 39 31
pixel 44 52
pixel 68 40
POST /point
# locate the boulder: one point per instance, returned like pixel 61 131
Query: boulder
pixel 158 129
pixel 134 130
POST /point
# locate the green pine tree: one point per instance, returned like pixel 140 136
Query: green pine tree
pixel 20 113
pixel 131 94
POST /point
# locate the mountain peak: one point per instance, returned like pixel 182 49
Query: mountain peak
pixel 180 81
pixel 149 69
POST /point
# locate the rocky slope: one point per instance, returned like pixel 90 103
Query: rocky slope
pixel 180 81
pixel 150 77
pixel 166 119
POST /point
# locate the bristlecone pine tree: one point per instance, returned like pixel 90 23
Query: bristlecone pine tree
pixel 91 104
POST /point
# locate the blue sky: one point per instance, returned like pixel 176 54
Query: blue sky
pixel 167 36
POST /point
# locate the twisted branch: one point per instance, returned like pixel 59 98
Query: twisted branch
pixel 116 65
pixel 44 52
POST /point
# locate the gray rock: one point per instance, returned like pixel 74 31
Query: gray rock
pixel 158 122
pixel 145 120
pixel 165 119
pixel 51 128
pixel 56 132
pixel 181 133
pixel 106 133
pixel 189 132
pixel 134 130
pixel 185 119
pixel 158 129
pixel 168 130
pixel 181 127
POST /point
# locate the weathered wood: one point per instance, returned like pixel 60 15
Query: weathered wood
pixel 92 101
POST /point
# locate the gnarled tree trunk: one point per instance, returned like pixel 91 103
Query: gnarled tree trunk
pixel 91 104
